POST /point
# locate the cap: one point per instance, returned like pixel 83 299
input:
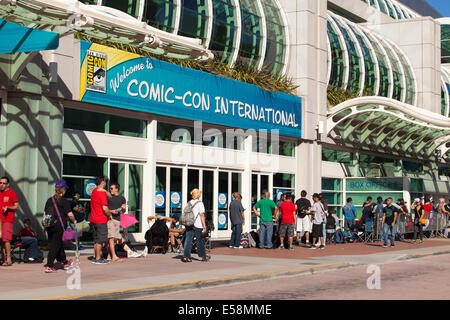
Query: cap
pixel 61 184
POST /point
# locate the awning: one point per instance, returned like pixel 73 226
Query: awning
pixel 388 126
pixel 15 38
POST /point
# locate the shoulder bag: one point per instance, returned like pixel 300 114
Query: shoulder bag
pixel 68 234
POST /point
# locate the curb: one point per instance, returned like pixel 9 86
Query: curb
pixel 197 284
pixel 424 254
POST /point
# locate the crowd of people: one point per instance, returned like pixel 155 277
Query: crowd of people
pixel 282 225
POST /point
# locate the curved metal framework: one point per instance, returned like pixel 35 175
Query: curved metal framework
pixel 367 64
pixel 392 8
pixel 252 31
pixel 445 92
pixel 389 126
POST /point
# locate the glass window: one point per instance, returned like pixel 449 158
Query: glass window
pixel 128 6
pixel 160 186
pixel 194 19
pixel 391 9
pixel 384 75
pixel 369 64
pixel 176 178
pixel 276 38
pixel 412 167
pixel 250 50
pixel 445 43
pixel 382 6
pixel 354 60
pixel 160 14
pixel 223 39
pixel 78 169
pixel 337 156
pixel 284 180
pixel 104 123
pixel 337 58
pixel 334 184
pixel 89 1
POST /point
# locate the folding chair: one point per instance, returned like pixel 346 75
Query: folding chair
pixel 369 235
pixel 17 251
pixel 331 236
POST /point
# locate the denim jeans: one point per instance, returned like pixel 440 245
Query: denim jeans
pixel 33 243
pixel 324 232
pixel 236 233
pixel 349 223
pixel 391 234
pixel 265 234
pixel 190 232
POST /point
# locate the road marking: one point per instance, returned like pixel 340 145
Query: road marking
pixel 195 281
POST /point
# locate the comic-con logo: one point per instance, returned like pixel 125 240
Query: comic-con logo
pixel 96 71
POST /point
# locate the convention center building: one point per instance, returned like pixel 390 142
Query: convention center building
pixel 91 88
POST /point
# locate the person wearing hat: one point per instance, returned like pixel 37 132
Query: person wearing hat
pixel 55 230
pixel 197 229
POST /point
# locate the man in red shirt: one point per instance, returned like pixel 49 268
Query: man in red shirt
pixel 8 206
pixel 100 215
pixel 287 226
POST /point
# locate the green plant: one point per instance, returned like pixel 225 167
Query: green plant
pixel 240 71
pixel 336 96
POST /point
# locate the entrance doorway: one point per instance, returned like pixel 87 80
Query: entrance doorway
pixel 260 185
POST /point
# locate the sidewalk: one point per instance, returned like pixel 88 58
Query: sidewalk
pixel 166 273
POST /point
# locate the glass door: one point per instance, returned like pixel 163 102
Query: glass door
pixel 260 185
pixel 130 178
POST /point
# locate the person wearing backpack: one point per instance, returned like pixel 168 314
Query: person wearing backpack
pixel 194 220
pixel 303 205
pixel 349 212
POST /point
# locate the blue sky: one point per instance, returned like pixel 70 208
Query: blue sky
pixel 443 6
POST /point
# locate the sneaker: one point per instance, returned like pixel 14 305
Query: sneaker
pixel 384 246
pixel 231 247
pixel 80 247
pixel 240 247
pixel 307 241
pixel 312 247
pixel 100 261
pixel 421 241
pixel 392 246
pixel 68 264
pixel 281 247
pixel 414 241
pixel 49 270
pixel 321 247
pixel 135 255
pixel 291 248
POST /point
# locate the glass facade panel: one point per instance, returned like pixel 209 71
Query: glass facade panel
pixel 223 39
pixel 445 43
pixel 369 65
pixel 276 38
pixel 382 6
pixel 104 123
pixel 337 58
pixel 284 180
pixel 354 79
pixel 194 19
pixel 383 66
pixel 337 156
pixel 391 10
pixel 128 6
pixel 160 186
pixel 251 35
pixel 160 14
pixel 176 181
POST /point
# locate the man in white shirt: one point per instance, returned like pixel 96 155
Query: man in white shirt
pixel 317 230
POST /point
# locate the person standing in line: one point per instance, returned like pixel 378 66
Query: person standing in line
pixel 116 205
pixel 419 213
pixel 325 207
pixel 79 211
pixel 100 214
pixel 287 226
pixel 9 203
pixel 378 211
pixel 303 205
pixel 266 215
pixel 368 201
pixel 318 213
pixel 442 209
pixel 390 213
pixel 199 227
pixel 55 232
pixel 349 212
pixel 237 220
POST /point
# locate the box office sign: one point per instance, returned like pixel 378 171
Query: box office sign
pixel 149 85
pixel 95 71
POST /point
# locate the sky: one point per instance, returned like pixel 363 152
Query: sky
pixel 442 6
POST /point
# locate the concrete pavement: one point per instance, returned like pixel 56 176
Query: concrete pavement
pixel 158 273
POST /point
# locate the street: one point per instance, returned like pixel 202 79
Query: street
pixel 421 279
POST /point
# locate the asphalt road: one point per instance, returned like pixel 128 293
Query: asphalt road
pixel 423 279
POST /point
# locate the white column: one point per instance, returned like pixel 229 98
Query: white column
pixel 215 200
pixel 247 184
pixel 149 185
